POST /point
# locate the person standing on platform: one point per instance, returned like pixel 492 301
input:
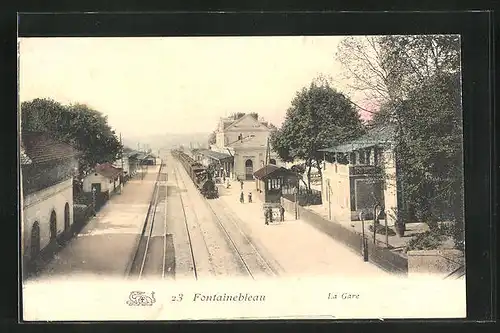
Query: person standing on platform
pixel 266 215
pixel 249 197
pixel 242 197
pixel 241 182
pixel 282 213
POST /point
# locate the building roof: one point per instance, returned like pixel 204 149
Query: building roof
pixel 107 170
pixel 271 170
pixel 40 147
pixel 213 154
pixel 376 136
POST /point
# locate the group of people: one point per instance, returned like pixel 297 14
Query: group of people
pixel 242 195
pixel 268 214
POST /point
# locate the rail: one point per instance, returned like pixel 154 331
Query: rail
pixel 235 247
pixel 187 229
pixel 152 204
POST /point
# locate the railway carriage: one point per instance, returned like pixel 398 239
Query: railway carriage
pixel 198 174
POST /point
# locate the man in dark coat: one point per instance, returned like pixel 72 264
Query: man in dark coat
pixel 282 213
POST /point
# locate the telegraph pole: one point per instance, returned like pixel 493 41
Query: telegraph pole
pixel 267 152
pixel 121 159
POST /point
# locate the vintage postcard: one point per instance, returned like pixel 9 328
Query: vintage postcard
pixel 224 178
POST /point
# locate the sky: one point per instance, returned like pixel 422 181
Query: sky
pixel 175 84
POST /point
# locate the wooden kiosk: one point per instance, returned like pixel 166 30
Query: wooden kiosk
pixel 269 181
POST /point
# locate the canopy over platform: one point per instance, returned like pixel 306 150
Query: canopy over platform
pixel 270 181
pixel 376 136
pixel 215 155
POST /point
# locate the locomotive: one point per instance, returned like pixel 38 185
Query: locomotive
pixel 199 174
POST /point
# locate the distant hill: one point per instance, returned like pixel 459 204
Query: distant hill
pixel 166 141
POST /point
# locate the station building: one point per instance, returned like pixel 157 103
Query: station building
pixel 359 174
pixel 244 143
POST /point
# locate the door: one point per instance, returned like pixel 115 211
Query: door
pixel 66 217
pixel 97 187
pixel 248 169
pixel 35 241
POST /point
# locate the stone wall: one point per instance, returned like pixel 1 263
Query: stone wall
pixel 434 262
pixel 38 206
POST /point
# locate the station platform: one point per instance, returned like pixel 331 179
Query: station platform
pixel 300 249
pixel 106 245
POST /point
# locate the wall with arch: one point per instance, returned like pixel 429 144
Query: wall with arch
pixel 37 207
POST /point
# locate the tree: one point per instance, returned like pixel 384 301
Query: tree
pixel 319 117
pixel 85 129
pixel 237 115
pixel 430 152
pixel 212 138
pixel 416 82
pixel 255 115
pixel 386 68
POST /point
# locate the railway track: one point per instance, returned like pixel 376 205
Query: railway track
pixel 249 257
pixel 149 258
pixel 253 260
pixel 191 251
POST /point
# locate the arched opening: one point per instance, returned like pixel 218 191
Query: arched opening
pixel 53 226
pixel 66 217
pixel 272 161
pixel 35 240
pixel 249 169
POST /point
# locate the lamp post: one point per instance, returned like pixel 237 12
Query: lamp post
pixel 296 191
pixel 364 245
pixel 93 200
pixel 375 222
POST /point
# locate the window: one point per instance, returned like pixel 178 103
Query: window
pixel 362 157
pixel 352 158
pixel 35 240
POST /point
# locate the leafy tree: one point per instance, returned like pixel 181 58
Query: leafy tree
pixel 212 138
pixel 416 82
pixel 237 115
pixel 84 128
pixel 319 117
pixel 429 150
pixel 386 68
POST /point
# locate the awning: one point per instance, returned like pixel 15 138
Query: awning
pixel 215 155
pixel 374 137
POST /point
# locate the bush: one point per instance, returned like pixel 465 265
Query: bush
pixel 428 240
pixel 380 229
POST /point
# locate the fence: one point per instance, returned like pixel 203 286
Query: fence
pixel 305 197
pixel 382 257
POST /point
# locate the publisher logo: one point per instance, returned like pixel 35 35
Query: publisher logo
pixel 140 298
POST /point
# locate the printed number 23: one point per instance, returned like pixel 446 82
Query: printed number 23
pixel 177 298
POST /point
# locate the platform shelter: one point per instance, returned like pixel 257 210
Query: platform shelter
pixel 270 181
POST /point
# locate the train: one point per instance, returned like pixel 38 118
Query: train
pixel 199 174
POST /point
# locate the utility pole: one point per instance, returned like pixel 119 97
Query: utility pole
pixel 121 158
pixel 267 152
